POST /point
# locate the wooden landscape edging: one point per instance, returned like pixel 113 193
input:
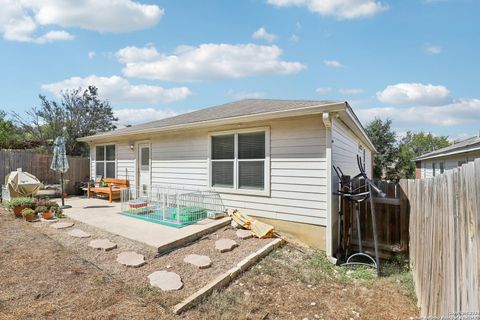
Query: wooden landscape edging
pixel 225 278
pixel 445 241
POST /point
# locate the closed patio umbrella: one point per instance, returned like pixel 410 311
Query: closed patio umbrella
pixel 60 162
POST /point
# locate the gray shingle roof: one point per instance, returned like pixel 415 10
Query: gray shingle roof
pixel 224 111
pixel 466 145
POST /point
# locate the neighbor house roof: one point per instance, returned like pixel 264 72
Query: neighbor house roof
pixel 467 145
pixel 243 110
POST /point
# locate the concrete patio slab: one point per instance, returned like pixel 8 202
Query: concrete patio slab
pixel 104 215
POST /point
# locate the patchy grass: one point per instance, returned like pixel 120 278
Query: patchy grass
pixel 291 283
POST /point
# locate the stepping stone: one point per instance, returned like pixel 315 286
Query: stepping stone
pixel 102 244
pixel 165 280
pixel 244 234
pixel 62 225
pixel 131 259
pixel 225 245
pixel 77 233
pixel 202 262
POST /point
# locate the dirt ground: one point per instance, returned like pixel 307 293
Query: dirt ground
pixel 47 274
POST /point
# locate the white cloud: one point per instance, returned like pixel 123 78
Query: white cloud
pixel 350 91
pixel 245 95
pixel 132 116
pixel 432 49
pixel 91 55
pixel 134 54
pixel 54 36
pixel 262 33
pixel 323 90
pixel 414 93
pixel 119 90
pixel 294 38
pixel 333 63
pixel 456 113
pixel 206 62
pixel 340 9
pixel 20 20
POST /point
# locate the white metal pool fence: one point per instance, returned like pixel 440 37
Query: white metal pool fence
pixel 170 205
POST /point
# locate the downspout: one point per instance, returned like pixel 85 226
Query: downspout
pixel 327 121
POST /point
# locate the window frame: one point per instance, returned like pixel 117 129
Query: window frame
pixel 235 189
pixel 105 161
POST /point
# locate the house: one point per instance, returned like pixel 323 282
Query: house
pixel 272 159
pixel 453 156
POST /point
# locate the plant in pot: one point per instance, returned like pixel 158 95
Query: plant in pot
pixel 43 212
pixel 19 203
pixel 28 214
pixel 58 212
pixel 51 207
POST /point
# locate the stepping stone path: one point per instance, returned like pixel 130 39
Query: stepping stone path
pixel 165 280
pixel 78 233
pixel 202 262
pixel 131 259
pixel 102 244
pixel 225 245
pixel 62 225
pixel 244 234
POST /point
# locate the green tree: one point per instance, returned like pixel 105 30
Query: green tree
pixel 76 115
pixel 413 145
pixel 9 133
pixel 384 139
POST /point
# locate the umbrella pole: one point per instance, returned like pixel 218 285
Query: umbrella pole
pixel 63 199
pixel 61 182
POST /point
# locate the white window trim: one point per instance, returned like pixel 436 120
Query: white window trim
pixel 105 161
pixel 235 189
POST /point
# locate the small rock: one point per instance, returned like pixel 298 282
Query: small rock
pixel 202 262
pixel 62 225
pixel 78 233
pixel 225 245
pixel 131 259
pixel 313 304
pixel 165 280
pixel 309 286
pixel 168 266
pixel 102 244
pixel 244 234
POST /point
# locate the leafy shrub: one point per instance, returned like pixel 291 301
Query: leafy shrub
pixel 28 212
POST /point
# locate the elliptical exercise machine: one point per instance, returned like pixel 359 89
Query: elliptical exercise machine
pixel 356 190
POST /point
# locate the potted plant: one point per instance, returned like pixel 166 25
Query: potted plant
pixel 58 212
pixel 19 203
pixel 44 212
pixel 28 214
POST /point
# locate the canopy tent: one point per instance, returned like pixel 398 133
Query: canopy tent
pixel 20 183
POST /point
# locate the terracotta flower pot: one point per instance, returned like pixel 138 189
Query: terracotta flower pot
pixel 18 211
pixel 29 218
pixel 47 215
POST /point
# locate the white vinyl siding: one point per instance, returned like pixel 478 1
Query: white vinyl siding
pixel 345 147
pixel 297 169
pixel 297 165
pixel 449 162
pixel 126 165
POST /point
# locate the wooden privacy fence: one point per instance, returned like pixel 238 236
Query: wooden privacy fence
pixel 445 240
pixel 391 220
pixel 38 164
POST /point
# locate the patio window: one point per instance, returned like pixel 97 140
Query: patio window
pixel 105 157
pixel 238 161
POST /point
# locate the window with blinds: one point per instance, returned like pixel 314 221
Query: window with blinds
pixel 105 157
pixel 238 160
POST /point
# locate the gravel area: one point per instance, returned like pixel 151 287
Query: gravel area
pixel 192 277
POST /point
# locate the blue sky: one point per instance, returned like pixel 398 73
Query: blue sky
pixel 415 61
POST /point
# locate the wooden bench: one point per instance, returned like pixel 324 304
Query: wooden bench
pixel 112 190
